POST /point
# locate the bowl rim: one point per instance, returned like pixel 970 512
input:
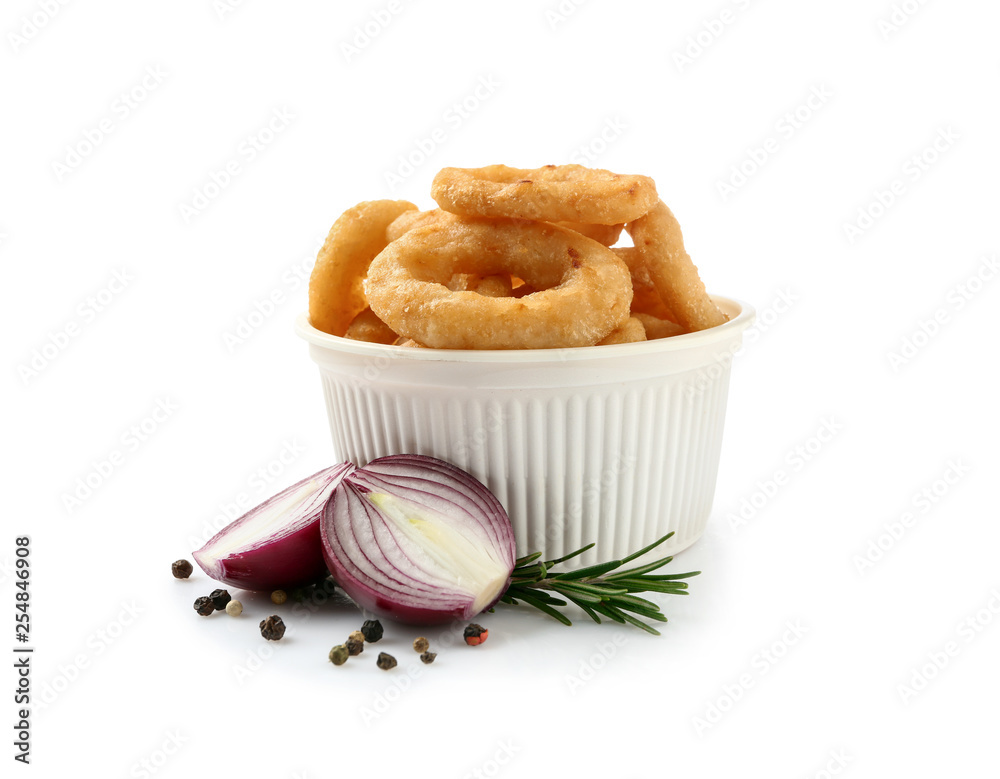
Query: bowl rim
pixel 741 316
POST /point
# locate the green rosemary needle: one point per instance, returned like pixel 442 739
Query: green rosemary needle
pixel 600 590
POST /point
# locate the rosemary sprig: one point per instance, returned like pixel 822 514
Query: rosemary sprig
pixel 600 590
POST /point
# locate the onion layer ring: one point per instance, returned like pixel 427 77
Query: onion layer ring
pixel 336 292
pixel 555 193
pixel 658 241
pixel 585 288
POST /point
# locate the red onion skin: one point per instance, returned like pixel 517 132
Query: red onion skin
pixel 294 561
pixel 378 603
pixel 274 563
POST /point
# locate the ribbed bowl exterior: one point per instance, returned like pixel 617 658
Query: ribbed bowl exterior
pixel 616 445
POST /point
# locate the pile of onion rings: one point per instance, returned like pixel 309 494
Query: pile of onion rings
pixel 511 259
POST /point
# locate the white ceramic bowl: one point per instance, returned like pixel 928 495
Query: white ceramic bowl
pixel 618 445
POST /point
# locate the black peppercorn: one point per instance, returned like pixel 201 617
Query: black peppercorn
pixel 181 569
pixel 204 606
pixel 421 644
pixel 427 657
pixel 272 628
pixel 354 647
pixel 385 662
pixel 372 630
pixel 220 598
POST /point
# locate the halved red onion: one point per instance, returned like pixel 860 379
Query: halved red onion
pixel 417 540
pixel 277 543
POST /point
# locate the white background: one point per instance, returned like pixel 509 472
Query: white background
pixel 129 681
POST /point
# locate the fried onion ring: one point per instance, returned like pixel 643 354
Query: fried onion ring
pixel 630 332
pixel 493 286
pixel 410 220
pixel 585 288
pixel 606 234
pixel 645 298
pixel 658 241
pixel 498 286
pixel 555 193
pixel 658 328
pixel 368 327
pixel 336 292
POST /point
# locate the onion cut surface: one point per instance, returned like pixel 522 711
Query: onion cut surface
pixel 276 544
pixel 417 540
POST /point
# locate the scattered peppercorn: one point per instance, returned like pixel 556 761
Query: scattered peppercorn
pixel 354 647
pixel 204 606
pixel 339 654
pixel 427 657
pixel 357 635
pixel 298 595
pixel 326 591
pixel 385 662
pixel 324 587
pixel 234 608
pixel 421 644
pixel 372 630
pixel 220 598
pixel 181 569
pixel 272 628
pixel 475 634
pixel 278 597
